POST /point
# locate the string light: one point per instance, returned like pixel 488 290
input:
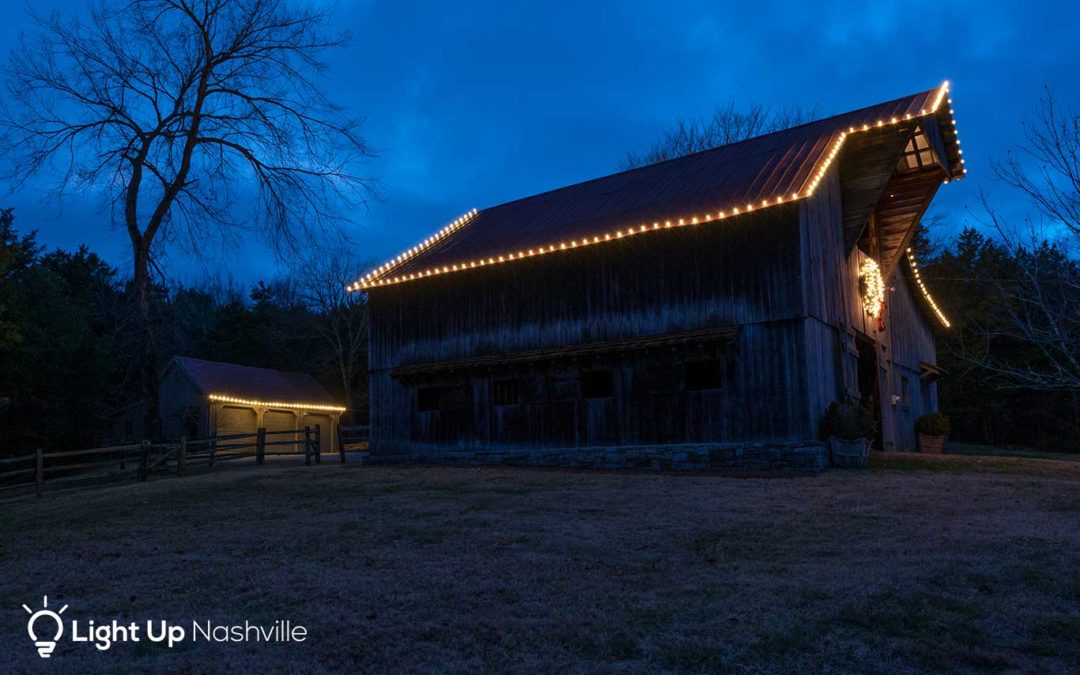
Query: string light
pixel 378 276
pixel 926 294
pixel 873 287
pixel 222 398
pixel 367 280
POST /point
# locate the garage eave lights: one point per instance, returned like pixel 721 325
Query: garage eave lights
pixel 221 398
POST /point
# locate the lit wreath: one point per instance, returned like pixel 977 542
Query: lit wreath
pixel 872 287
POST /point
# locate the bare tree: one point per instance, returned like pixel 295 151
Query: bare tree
pixel 193 120
pixel 343 316
pixel 1047 168
pixel 1038 296
pixel 729 123
pixel 1038 307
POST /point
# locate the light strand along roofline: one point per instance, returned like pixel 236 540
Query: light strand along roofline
pixel 378 277
pixel 926 293
pixel 222 398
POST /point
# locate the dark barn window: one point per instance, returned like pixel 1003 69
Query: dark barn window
pixel 446 397
pixel 562 387
pixel 427 399
pixel 456 397
pixel 506 392
pixel 597 384
pixel 704 374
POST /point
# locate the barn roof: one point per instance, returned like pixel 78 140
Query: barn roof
pixel 229 382
pixel 704 187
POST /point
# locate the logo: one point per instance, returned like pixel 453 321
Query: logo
pixel 45 627
pixel 42 624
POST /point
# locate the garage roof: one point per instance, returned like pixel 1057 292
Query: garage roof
pixel 246 384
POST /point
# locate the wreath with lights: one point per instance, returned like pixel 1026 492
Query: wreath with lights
pixel 872 287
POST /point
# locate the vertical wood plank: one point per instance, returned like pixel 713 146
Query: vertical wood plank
pixel 260 445
pixel 181 456
pixel 39 472
pixel 307 445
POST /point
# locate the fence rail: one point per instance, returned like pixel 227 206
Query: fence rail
pixel 140 460
pixel 352 439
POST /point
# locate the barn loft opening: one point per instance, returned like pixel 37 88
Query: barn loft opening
pixel 918 154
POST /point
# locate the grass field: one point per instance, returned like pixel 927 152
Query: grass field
pixel 920 564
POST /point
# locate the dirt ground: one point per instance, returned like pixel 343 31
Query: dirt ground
pixel 919 564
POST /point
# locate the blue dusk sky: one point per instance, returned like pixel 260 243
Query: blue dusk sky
pixel 471 104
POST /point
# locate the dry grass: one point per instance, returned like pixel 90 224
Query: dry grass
pixel 973 567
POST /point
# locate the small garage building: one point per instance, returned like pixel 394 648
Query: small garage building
pixel 208 398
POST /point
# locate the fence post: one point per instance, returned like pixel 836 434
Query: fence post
pixel 212 448
pixel 307 445
pixel 340 443
pixel 181 456
pixel 318 444
pixel 144 459
pixel 39 472
pixel 260 445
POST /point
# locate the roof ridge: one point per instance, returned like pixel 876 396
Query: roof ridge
pixel 729 183
pixel 715 148
pixel 240 365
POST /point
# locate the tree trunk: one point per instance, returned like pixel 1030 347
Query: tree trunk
pixel 147 348
pixel 346 381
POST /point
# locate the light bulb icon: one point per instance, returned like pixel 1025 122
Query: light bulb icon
pixel 43 618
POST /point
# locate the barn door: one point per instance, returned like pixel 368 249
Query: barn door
pixel 869 389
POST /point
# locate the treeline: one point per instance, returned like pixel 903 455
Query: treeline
pixel 1011 355
pixel 69 338
pixel 69 341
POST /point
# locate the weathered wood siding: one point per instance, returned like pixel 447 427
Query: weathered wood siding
pixel 728 273
pixel 836 317
pixel 740 272
pixel 180 398
pixel 758 399
pixel 781 276
pixel 911 342
pixel 830 362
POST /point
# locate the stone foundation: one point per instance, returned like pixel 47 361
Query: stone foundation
pixel 805 456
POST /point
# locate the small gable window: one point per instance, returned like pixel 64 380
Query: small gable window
pixel 917 154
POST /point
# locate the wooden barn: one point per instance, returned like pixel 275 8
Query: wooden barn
pixel 696 312
pixel 206 398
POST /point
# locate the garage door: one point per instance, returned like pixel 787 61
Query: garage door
pixel 326 429
pixel 232 420
pixel 279 420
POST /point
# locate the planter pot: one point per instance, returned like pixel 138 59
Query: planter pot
pixel 854 453
pixel 932 445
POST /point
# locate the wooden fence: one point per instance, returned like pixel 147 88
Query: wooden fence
pixel 76 468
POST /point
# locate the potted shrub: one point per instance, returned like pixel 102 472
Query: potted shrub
pixel 932 429
pixel 848 429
